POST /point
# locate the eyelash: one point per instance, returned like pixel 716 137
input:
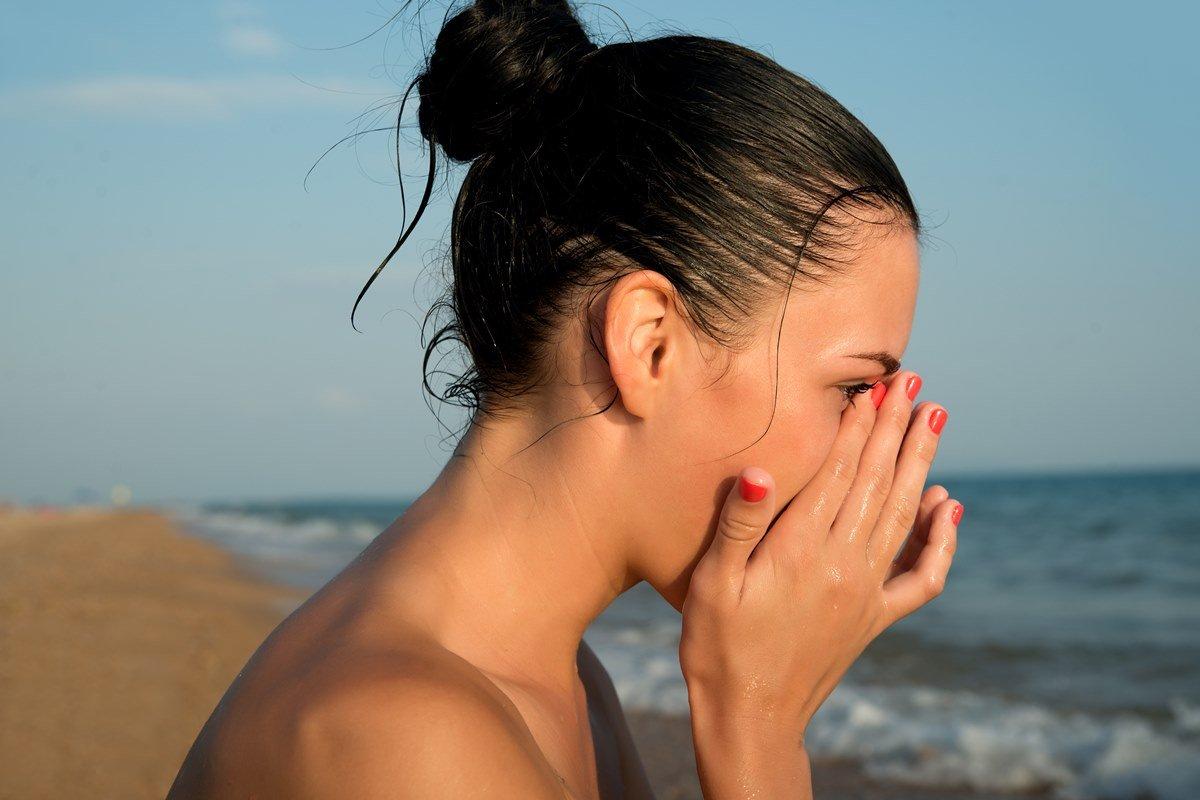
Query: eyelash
pixel 858 388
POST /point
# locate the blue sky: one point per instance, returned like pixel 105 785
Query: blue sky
pixel 176 302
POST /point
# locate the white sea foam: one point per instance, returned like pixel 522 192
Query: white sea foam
pixel 324 543
pixel 1187 715
pixel 932 737
pixel 902 734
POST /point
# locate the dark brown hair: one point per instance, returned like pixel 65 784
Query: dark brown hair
pixel 695 157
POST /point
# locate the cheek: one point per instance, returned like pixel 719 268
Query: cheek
pixel 713 434
pixel 736 428
pixel 799 442
pixel 722 422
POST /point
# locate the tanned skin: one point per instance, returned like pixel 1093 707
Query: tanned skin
pixel 447 660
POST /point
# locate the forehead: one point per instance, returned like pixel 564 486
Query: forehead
pixel 869 306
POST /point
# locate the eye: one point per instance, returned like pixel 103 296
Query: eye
pixel 858 388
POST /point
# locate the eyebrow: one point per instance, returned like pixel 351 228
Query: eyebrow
pixel 890 363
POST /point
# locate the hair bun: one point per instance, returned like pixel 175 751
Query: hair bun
pixel 493 70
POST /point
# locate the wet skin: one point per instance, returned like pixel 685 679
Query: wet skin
pixel 447 660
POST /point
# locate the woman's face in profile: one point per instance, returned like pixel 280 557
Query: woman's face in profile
pixel 723 425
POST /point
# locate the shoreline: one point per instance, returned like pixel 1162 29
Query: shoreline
pixel 120 630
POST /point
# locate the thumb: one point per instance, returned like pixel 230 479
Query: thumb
pixel 744 520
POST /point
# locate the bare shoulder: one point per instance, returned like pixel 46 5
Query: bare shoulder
pixel 429 730
pixel 414 725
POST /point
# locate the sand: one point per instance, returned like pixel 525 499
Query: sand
pixel 119 633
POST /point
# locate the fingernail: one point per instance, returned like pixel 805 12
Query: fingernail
pixel 751 492
pixel 937 419
pixel 956 515
pixel 877 393
pixel 914 386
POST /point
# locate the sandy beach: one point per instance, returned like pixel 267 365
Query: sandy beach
pixel 119 633
pixel 117 636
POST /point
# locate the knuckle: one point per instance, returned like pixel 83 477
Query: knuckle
pixel 898 417
pixel 904 511
pixel 740 528
pixel 925 448
pixel 935 584
pixel 862 424
pixel 708 590
pixel 879 479
pixel 841 467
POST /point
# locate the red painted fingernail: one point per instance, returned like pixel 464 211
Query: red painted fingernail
pixel 937 419
pixel 877 393
pixel 914 386
pixel 956 515
pixel 751 492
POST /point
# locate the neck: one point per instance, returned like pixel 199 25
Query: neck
pixel 518 550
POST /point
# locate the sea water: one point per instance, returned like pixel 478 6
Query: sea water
pixel 1063 656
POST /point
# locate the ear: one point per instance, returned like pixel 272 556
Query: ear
pixel 642 333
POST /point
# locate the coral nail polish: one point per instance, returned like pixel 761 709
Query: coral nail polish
pixel 956 515
pixel 937 419
pixel 751 492
pixel 878 392
pixel 914 386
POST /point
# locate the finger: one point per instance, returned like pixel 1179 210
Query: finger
pixel 912 589
pixel 933 496
pixel 823 495
pixel 899 511
pixel 745 517
pixel 873 481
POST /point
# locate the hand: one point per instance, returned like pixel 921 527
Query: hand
pixel 774 618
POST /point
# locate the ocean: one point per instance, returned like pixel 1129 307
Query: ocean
pixel 1063 657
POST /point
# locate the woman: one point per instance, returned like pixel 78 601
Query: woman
pixel 679 269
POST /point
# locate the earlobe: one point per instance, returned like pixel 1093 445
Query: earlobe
pixel 637 336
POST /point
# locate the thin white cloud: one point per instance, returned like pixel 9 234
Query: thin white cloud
pixel 244 32
pixel 166 98
pixel 249 40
